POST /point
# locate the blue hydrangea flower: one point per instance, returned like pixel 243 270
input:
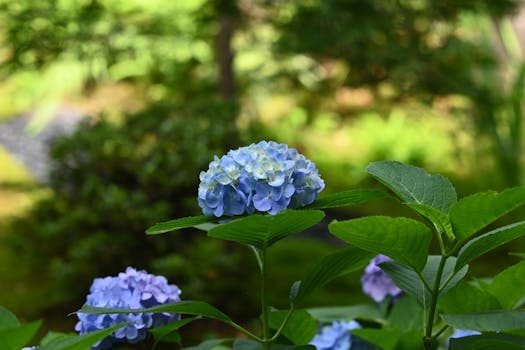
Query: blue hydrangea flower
pixel 265 177
pixel 460 333
pixel 131 289
pixel 376 283
pixel 335 336
pixel 30 348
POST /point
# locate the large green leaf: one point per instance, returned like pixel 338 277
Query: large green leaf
pixel 163 332
pixel 408 279
pixel 386 339
pixel 7 319
pixel 330 267
pixel 333 313
pixel 346 198
pixel 489 241
pixel 449 276
pixel 83 342
pixel 415 185
pixel 14 338
pixel 53 336
pixel 186 307
pixel 247 344
pixel 440 220
pixel 467 298
pixel 489 321
pixel 209 344
pixel 475 212
pixel 406 314
pixel 490 341
pixel 177 224
pixel 301 326
pixel 261 231
pixel 402 239
pixel 509 286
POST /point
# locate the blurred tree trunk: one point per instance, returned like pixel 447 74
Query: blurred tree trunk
pixel 225 55
pixel 227 17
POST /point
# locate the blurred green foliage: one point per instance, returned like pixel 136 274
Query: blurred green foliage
pixel 109 183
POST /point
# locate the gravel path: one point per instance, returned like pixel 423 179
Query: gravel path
pixel 32 150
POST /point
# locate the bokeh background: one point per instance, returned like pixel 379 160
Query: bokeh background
pixel 109 109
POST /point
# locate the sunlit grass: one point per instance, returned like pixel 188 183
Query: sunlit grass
pixel 18 189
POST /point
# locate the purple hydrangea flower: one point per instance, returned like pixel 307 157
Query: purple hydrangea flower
pixel 376 283
pixel 264 177
pixel 335 336
pixel 129 290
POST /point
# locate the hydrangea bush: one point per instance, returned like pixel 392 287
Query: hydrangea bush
pixel 263 193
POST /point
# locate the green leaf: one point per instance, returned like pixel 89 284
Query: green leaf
pixel 386 339
pixel 489 341
pixel 83 342
pixel 333 313
pixel 406 314
pixel 301 326
pixel 509 286
pixel 408 280
pixel 402 239
pixel 440 220
pixel 177 224
pixel 209 344
pixel 488 321
pixel 186 307
pixel 519 255
pixel 449 277
pixel 341 262
pixel 52 336
pixel 415 185
pixel 475 212
pixel 160 333
pixel 14 338
pixel 467 298
pixel 346 198
pixel 261 231
pixel 489 241
pixel 247 344
pixel 7 319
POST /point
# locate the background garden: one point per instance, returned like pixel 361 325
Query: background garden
pixel 133 98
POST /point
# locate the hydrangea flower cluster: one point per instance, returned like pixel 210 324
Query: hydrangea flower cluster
pixel 335 336
pixel 265 177
pixel 131 289
pixel 376 283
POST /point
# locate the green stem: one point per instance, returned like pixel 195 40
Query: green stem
pixel 245 331
pixel 264 306
pixel 440 241
pixel 281 328
pixel 444 328
pixel 433 303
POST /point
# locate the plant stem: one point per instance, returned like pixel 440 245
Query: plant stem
pixel 281 328
pixel 433 303
pixel 264 306
pixel 245 331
